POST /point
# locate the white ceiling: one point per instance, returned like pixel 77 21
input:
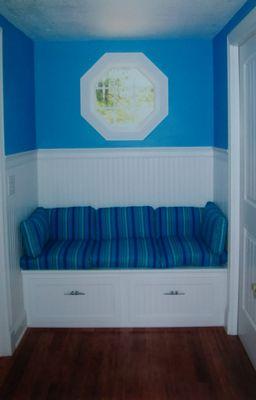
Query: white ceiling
pixel 85 19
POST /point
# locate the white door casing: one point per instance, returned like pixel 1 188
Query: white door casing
pixel 244 30
pixel 5 337
pixel 247 296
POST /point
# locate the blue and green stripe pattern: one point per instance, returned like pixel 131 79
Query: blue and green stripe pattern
pixel 178 221
pixel 126 253
pixel 35 232
pixel 61 255
pixel 124 222
pixel 178 252
pixel 124 237
pixel 72 223
pixel 214 228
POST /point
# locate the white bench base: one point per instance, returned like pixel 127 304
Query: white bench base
pixel 126 298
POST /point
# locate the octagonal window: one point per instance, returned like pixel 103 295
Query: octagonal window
pixel 124 96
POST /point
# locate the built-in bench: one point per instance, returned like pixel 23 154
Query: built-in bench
pixel 125 266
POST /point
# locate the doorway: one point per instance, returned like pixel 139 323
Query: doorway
pixel 242 180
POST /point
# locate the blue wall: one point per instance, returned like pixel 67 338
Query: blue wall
pixel 220 77
pixel 197 86
pixel 19 90
pixel 59 66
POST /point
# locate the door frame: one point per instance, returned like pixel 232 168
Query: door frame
pixel 245 29
pixel 5 299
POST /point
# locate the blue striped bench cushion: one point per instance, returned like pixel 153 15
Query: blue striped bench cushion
pixel 61 254
pixel 178 252
pixel 126 253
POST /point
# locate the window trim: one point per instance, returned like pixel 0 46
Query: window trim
pixel 134 60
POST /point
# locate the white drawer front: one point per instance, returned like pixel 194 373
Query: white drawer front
pixel 58 302
pixel 176 303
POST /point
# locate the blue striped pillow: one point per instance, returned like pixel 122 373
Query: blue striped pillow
pixel 124 222
pixel 35 232
pixel 72 223
pixel 178 221
pixel 214 228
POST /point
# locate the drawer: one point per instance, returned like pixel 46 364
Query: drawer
pixel 179 302
pixel 58 302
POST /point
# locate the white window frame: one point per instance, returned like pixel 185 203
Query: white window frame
pixel 139 61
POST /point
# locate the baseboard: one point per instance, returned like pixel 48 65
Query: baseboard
pixel 18 332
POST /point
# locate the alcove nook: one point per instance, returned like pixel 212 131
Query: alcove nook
pixel 129 131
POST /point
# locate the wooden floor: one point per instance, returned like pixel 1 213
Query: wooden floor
pixel 118 364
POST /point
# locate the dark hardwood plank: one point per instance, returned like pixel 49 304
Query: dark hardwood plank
pixel 128 364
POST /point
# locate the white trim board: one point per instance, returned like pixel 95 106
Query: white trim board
pixel 15 160
pixel 115 152
pixel 127 152
pixel 5 300
pixel 245 29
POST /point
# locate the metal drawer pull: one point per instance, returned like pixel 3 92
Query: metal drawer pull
pixel 174 293
pixel 74 293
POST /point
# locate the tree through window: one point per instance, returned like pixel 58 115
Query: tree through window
pixel 124 96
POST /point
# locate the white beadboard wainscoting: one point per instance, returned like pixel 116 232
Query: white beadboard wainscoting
pixel 108 177
pixel 21 175
pixel 220 179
